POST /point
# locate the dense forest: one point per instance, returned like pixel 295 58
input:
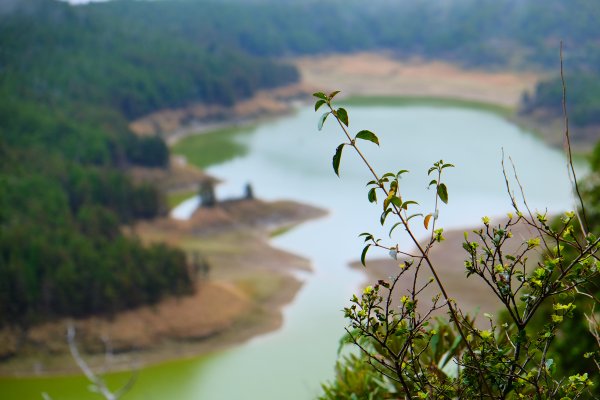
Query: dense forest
pixel 490 34
pixel 72 77
pixel 69 82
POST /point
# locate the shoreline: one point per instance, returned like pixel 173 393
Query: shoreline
pixel 381 79
pixel 269 317
pixel 250 283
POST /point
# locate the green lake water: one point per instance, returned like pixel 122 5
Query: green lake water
pixel 289 159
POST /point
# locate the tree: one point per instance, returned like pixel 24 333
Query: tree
pixel 406 353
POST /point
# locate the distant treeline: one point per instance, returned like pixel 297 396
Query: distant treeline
pixel 583 97
pixel 471 32
pixel 474 33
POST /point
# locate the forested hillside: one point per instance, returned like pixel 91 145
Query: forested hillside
pixel 473 33
pixel 71 78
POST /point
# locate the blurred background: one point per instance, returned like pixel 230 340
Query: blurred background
pixel 164 188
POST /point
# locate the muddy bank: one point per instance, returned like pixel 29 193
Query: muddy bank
pixel 174 124
pixel 239 295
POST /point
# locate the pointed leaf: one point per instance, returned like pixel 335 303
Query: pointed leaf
pixel 322 119
pixel 342 114
pixel 442 191
pixel 363 255
pixel 333 94
pixel 407 203
pixel 414 215
pixel 402 171
pixel 368 135
pixel 372 195
pixel 337 157
pixel 384 216
pixel 426 221
pixel 320 95
pixel 394 227
pixel 433 182
pixel 319 103
pixel 367 236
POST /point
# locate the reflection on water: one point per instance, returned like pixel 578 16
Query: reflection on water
pixel 290 159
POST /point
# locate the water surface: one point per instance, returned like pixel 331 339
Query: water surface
pixel 289 159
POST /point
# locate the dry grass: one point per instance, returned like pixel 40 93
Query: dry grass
pixel 378 74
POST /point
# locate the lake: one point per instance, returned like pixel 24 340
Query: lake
pixel 289 159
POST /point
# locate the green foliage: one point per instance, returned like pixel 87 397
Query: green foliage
pixel 405 353
pixel 211 148
pixel 584 97
pixel 62 251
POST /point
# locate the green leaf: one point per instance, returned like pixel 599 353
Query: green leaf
pixel 319 103
pixel 442 191
pixel 337 157
pixel 402 171
pixel 333 94
pixel 433 182
pixel 372 196
pixel 367 236
pixel 363 255
pixel 414 215
pixel 368 135
pixel 342 114
pixel 396 201
pixel 407 203
pixel 384 216
pixel 394 227
pixel 390 199
pixel 320 95
pixel 322 119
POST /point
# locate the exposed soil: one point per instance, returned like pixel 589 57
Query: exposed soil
pixel 368 74
pixel 238 297
pixel 175 124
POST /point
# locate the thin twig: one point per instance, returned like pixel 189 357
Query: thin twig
pixel 584 224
